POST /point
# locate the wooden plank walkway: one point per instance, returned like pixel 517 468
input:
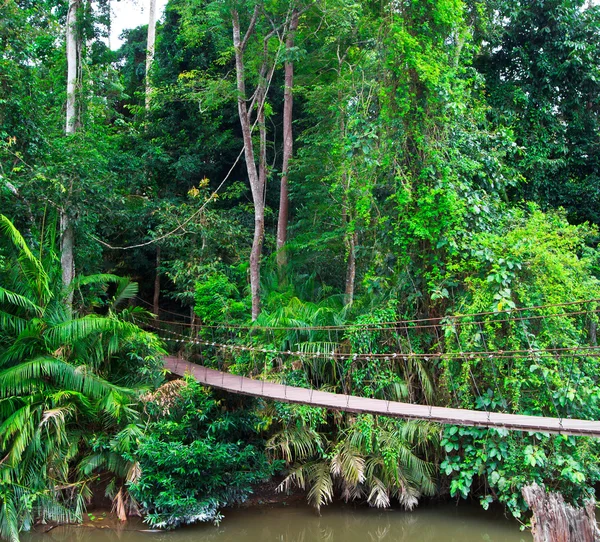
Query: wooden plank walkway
pixel 351 403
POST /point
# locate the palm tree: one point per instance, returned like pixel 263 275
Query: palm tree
pixel 371 458
pixel 57 399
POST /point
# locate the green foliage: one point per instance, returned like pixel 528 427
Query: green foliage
pixel 196 457
pixel 57 386
pixel 495 465
pixel 531 259
pixel 218 300
pixel 422 131
pixel 540 61
pixel 372 458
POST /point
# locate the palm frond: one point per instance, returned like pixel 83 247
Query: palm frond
pixel 19 425
pixel 48 508
pixel 314 475
pixel 91 463
pixel 11 324
pixel 295 442
pixel 126 290
pixel 348 464
pixel 26 377
pixel 321 484
pixel 117 406
pixel 32 266
pixel 99 279
pixel 126 439
pixel 9 518
pixel 79 329
pixel 296 477
pixel 19 301
pixel 378 493
pixel 25 345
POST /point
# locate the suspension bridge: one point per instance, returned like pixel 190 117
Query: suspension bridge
pixel 351 403
pixel 562 423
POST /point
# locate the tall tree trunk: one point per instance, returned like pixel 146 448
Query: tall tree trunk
pixel 67 237
pixel 259 220
pixel 351 243
pixel 194 327
pixel 256 182
pixel 288 143
pixel 73 51
pixel 556 521
pixel 67 261
pixel 150 49
pixel 150 46
pixel 350 240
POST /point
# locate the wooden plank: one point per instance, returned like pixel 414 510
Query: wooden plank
pixel 351 403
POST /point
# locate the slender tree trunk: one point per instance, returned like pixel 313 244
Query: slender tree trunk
pixel 288 143
pixel 259 220
pixel 256 181
pixel 194 323
pixel 151 40
pixel 556 521
pixel 73 51
pixel 156 298
pixel 351 240
pixel 67 261
pixel 150 49
pixel 351 243
pixel 67 237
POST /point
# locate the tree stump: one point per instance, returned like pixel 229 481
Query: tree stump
pixel 556 521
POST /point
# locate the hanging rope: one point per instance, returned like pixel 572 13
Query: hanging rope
pixel 418 324
pixel 581 351
pixel 215 193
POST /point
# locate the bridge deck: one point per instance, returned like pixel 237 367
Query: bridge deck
pixel 351 403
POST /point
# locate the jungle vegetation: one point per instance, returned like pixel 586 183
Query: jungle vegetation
pixel 287 165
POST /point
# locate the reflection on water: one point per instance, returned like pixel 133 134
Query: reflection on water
pixel 337 524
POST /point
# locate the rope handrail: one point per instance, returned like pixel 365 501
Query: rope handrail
pixel 376 327
pixel 591 351
pixel 419 323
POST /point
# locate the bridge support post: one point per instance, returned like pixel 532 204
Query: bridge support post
pixel 556 521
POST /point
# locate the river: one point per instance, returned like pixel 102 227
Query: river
pixel 442 523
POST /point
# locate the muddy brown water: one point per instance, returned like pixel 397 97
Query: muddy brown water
pixel 443 523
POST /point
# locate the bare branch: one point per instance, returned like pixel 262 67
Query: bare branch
pixel 251 26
